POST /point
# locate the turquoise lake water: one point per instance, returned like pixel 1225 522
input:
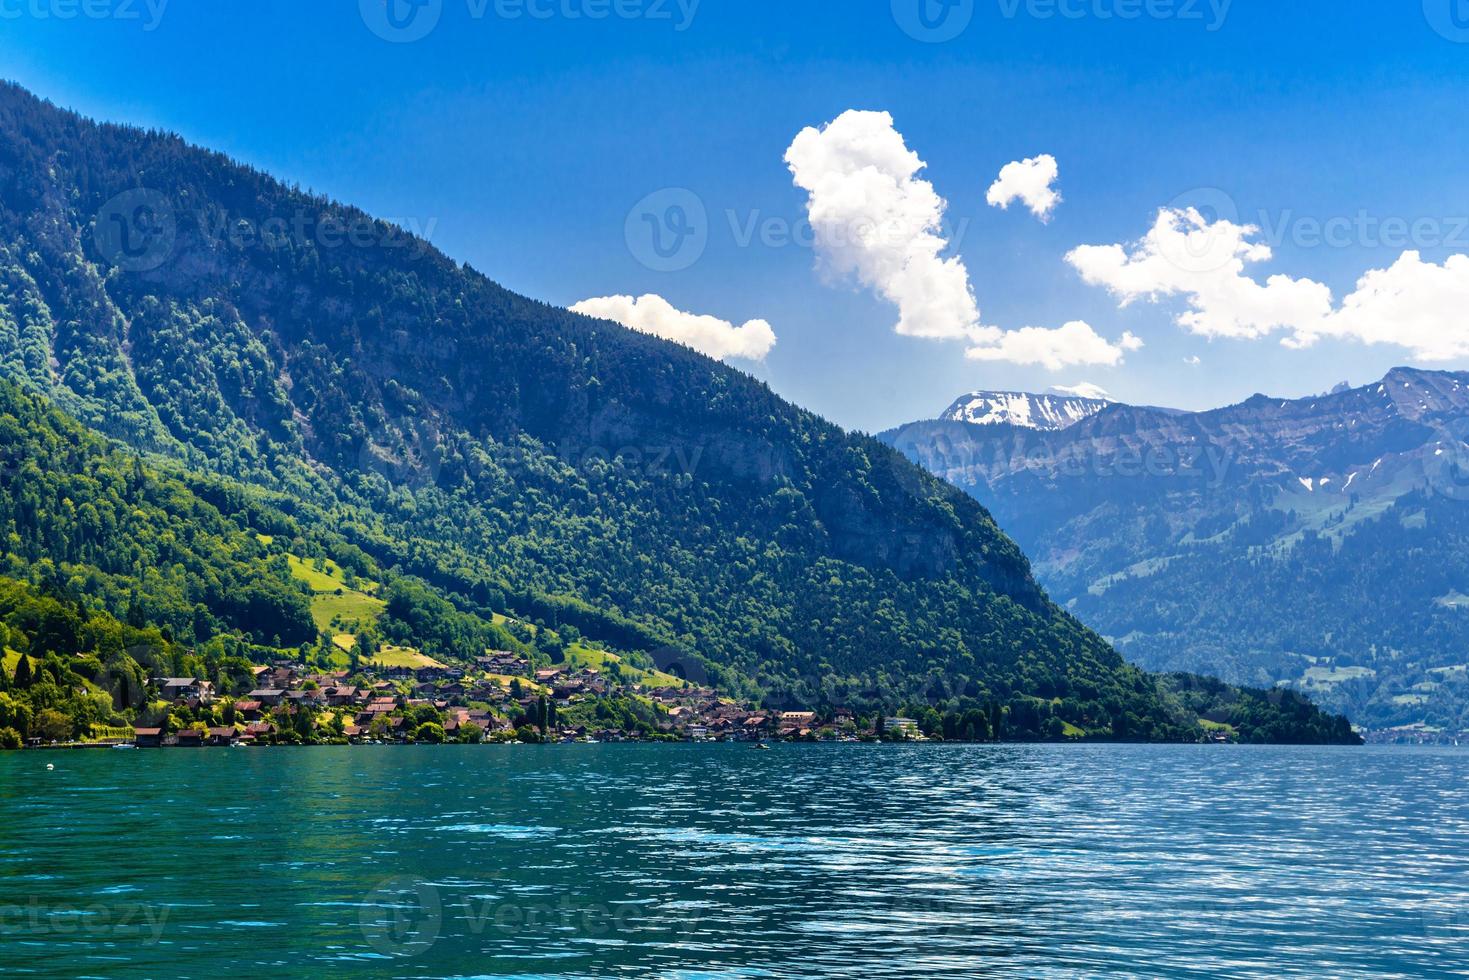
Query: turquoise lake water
pixel 715 861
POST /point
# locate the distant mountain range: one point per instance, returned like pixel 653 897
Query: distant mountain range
pixel 1321 542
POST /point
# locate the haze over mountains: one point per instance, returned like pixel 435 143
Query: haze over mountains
pixel 1319 542
pixel 517 458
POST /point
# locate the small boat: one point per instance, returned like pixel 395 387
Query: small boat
pixel 124 745
pixel 762 746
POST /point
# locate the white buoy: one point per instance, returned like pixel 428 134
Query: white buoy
pixel 50 767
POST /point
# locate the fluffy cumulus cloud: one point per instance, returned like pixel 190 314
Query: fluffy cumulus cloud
pixel 1413 304
pixel 707 334
pixel 1076 343
pixel 1184 254
pixel 1031 182
pixel 1084 390
pixel 874 219
pixel 877 221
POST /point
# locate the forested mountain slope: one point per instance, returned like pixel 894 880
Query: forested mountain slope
pixel 516 456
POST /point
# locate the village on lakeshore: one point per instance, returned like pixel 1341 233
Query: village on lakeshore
pixel 503 698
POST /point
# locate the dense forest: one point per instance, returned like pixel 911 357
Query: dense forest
pixel 279 368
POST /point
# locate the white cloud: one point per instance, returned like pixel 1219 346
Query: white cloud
pixel 1185 255
pixel 1084 389
pixel 1412 304
pixel 875 220
pixel 1029 181
pixel 707 334
pixel 1193 361
pixel 1076 343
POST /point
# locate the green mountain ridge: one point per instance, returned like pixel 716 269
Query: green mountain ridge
pixel 515 457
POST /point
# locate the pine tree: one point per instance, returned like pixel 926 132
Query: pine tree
pixel 23 677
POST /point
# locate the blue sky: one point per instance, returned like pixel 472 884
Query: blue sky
pixel 522 143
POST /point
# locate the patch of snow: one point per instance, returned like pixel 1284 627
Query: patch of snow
pixel 1307 483
pixel 1047 412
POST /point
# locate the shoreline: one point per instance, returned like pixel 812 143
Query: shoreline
pixel 911 743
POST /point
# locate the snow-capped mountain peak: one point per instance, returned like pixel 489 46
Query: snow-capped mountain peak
pixel 1028 411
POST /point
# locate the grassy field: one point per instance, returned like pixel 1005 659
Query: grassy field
pixel 581 656
pixel 500 619
pixel 527 685
pixel 333 604
pixel 332 601
pixel 403 657
pixel 1318 676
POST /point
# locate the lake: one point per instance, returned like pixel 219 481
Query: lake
pixel 712 861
